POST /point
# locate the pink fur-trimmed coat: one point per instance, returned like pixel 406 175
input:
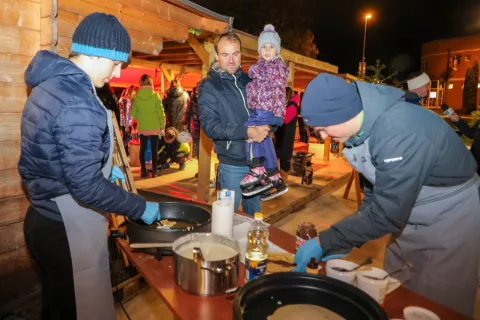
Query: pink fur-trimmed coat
pixel 267 90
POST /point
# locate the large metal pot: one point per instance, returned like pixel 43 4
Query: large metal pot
pixel 202 277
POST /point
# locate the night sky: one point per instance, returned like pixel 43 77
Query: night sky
pixel 394 34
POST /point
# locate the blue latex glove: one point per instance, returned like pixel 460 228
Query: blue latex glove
pixel 117 173
pixel 151 213
pixel 339 254
pixel 277 121
pixel 310 249
pixel 333 256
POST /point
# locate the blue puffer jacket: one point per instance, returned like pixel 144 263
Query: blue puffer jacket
pixel 65 141
pixel 222 105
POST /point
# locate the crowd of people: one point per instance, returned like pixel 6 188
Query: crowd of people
pixel 150 118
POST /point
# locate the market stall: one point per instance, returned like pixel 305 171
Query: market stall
pixel 160 274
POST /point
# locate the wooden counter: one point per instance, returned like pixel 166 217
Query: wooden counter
pixel 160 276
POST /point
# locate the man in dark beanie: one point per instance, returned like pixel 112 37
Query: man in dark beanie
pixel 424 188
pixel 66 166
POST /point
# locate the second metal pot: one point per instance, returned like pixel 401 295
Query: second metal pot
pixel 202 277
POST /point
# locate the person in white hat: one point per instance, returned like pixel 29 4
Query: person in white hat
pixel 418 87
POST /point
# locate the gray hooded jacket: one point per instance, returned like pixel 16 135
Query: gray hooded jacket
pixel 426 150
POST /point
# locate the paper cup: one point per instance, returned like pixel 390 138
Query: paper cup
pixel 348 277
pixel 377 289
pixel 417 313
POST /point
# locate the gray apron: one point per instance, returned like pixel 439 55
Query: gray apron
pixel 441 239
pixel 87 232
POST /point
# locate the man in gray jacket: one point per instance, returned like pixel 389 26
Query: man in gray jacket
pixel 425 190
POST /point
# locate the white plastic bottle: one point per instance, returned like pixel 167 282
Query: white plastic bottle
pixel 257 249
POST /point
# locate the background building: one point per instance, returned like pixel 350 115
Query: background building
pixel 449 59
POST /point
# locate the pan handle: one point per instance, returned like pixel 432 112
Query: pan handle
pixel 218 270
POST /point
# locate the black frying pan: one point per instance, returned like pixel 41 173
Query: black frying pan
pixel 259 298
pixel 141 233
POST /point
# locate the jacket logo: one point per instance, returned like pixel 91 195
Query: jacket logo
pixel 393 159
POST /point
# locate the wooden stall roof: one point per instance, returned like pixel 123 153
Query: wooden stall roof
pixel 184 55
pixel 149 22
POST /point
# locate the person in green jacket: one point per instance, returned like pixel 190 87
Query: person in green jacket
pixel 148 110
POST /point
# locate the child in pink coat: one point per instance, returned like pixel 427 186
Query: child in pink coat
pixel 266 101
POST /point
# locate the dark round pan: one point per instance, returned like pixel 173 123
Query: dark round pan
pixel 260 298
pixel 139 232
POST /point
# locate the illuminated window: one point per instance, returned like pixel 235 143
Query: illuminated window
pixel 467 58
pixel 450 86
pixel 478 86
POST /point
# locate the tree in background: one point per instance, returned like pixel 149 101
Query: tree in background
pixel 288 18
pixel 376 73
pixel 470 88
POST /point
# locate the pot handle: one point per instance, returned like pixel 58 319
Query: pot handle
pixel 217 270
pixel 197 255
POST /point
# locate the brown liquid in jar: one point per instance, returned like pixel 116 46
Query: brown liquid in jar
pixel 305 231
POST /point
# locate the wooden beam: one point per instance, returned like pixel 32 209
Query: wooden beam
pixel 250 42
pixel 176 14
pixel 175 46
pixel 11 237
pixel 14 40
pixel 354 179
pixel 249 53
pixel 9 128
pixel 130 17
pixel 177 60
pixel 291 75
pixel 165 55
pixel 166 72
pixel 206 144
pixel 13 210
pixel 12 98
pixel 13 68
pixel 9 156
pixel 142 42
pixel 11 185
pixel 14 261
pixel 202 53
pixel 180 73
pixel 153 65
pixel 20 13
pixel 162 83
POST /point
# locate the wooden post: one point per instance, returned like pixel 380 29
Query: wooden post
pixel 326 149
pixel 291 74
pixel 206 144
pixel 354 178
pixel 162 83
pixel 119 158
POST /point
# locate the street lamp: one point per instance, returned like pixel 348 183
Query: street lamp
pixel 362 66
pixel 368 16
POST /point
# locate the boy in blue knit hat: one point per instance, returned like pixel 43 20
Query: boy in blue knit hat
pixel 267 104
pixel 66 166
pixel 423 188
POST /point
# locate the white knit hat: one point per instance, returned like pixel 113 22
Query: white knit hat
pixel 269 36
pixel 419 81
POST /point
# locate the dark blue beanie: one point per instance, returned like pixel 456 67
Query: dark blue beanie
pixel 330 100
pixel 102 35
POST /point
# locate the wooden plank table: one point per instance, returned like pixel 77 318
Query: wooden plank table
pixel 160 276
